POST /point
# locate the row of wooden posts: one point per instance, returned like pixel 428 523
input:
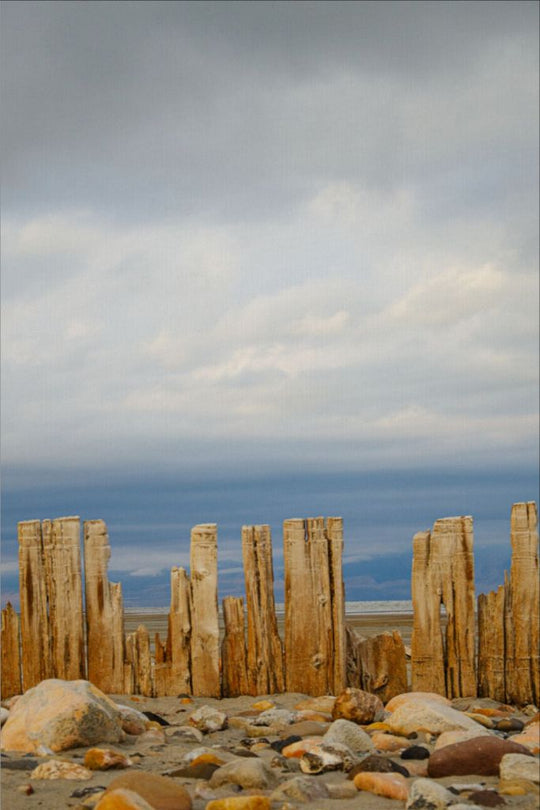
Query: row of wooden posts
pixel 319 654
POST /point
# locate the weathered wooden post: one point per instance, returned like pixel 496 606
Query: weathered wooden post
pixel 233 648
pixel 443 573
pixel 62 557
pixel 104 612
pixel 383 666
pixel 522 655
pixel 264 645
pixel 11 656
pixel 204 612
pixel 491 644
pixel 35 648
pixel 173 673
pixel 314 606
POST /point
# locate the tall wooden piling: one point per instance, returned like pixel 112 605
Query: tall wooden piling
pixel 204 612
pixel 233 649
pixel 264 645
pixel 11 656
pixel 35 637
pixel 491 644
pixel 104 612
pixel 313 607
pixel 173 672
pixel 62 556
pixel 443 574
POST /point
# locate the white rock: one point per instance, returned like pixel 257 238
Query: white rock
pixel 4 714
pixel 248 773
pixel 208 719
pixel 430 716
pixel 426 794
pixel 520 766
pixel 350 734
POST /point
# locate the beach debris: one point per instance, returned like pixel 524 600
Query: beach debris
pixel 390 785
pixel 480 756
pixel 350 734
pixel 59 715
pixel 104 759
pixel 208 719
pixel 60 769
pixel 426 794
pixel 518 766
pixel 247 773
pixel 358 706
pixel 300 789
pixel 160 792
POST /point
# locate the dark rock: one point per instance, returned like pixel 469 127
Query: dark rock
pixel 19 764
pixel 377 764
pixel 86 791
pixel 200 770
pixel 279 745
pixel 156 718
pixel 415 752
pixel 509 724
pixel 480 755
pixel 486 798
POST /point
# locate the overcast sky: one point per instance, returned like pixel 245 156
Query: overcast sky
pixel 258 236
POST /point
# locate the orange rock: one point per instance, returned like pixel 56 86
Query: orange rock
pixel 240 803
pixel 316 717
pixel 390 785
pixel 212 758
pixel 378 727
pixel 297 749
pixel 263 705
pixel 358 706
pixel 160 792
pixel 529 737
pixel 417 767
pixel 103 759
pixel 323 704
pixel 482 719
pixel 60 769
pixel 121 799
pixel 389 742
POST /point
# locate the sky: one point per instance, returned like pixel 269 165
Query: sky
pixel 269 260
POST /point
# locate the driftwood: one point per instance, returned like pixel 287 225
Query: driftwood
pixel 233 648
pixel 11 656
pixel 443 574
pixel 508 662
pixel 264 646
pixel 204 612
pixel 104 612
pixel 314 607
pixel 35 635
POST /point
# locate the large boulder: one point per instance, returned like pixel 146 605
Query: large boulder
pixel 56 715
pixel 432 716
pixel 481 755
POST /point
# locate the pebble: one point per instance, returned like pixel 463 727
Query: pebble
pixel 425 794
pixel 60 769
pixel 327 757
pixel 305 728
pixel 390 785
pixel 273 717
pixel 324 704
pixel 388 742
pixel 349 734
pixel 263 705
pixel 509 724
pixel 359 706
pixel 451 737
pixel 519 766
pixel 247 773
pixel 529 737
pixel 407 698
pixel 378 764
pixel 103 759
pixel 415 752
pixel 207 719
pixel 240 803
pixel 122 799
pixel 300 789
pixel 486 798
pixel 4 714
pixel 487 722
pixel 481 755
pixel 132 720
pixel 297 749
pixel 160 792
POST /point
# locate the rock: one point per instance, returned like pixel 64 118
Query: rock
pixel 300 789
pixel 327 757
pixel 451 737
pixel 425 794
pixel 156 718
pixel 486 798
pixel 530 738
pixel 4 714
pixel 187 733
pixel 275 717
pixel 160 792
pixel 390 785
pixel 23 764
pixel 359 706
pixel 103 759
pixel 342 790
pixel 207 719
pixel 279 745
pixel 407 698
pixel 122 799
pixel 518 766
pixel 240 803
pixel 432 716
pixel 60 769
pixel 509 724
pixel 263 705
pixel 306 728
pixel 323 704
pixel 153 736
pixel 132 720
pixel 298 749
pixel 349 734
pixel 415 752
pixel 377 764
pixel 388 742
pixel 195 770
pixel 248 773
pixel 481 755
pixel 417 767
pixel 58 715
pixel 518 787
pixel 487 722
